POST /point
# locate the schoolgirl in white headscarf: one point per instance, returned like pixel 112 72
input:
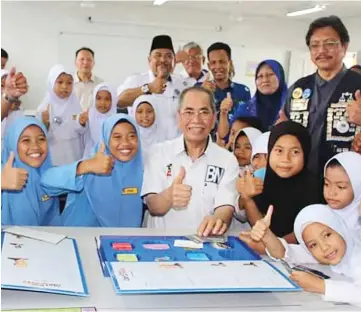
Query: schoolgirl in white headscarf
pixel 64 129
pixel 98 112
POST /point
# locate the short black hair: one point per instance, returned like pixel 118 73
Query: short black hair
pixel 84 49
pixel 4 54
pixel 329 21
pixel 333 164
pixel 253 122
pixel 219 46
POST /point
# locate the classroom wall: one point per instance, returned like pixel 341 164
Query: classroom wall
pixel 46 33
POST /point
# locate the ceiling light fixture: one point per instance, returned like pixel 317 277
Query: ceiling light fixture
pixel 159 2
pixel 315 9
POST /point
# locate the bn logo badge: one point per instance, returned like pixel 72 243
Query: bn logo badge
pixel 214 174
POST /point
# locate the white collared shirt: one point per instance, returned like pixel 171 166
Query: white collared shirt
pixel 193 81
pixel 212 178
pixel 166 104
pixel 84 90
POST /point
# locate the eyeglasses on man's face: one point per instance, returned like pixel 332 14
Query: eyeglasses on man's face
pixel 327 45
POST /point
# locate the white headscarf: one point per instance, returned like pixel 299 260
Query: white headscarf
pixel 151 135
pixel 95 117
pixel 351 162
pixel 63 108
pixel 251 133
pixel 260 146
pixel 323 214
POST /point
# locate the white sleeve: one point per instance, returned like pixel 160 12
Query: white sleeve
pixel 342 291
pixel 129 83
pixel 294 254
pixel 227 193
pixel 239 214
pixel 154 179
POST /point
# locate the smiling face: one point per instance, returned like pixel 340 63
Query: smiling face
pixel 337 188
pixel 161 61
pixel 219 64
pixel 196 118
pixel 327 51
pixel 145 115
pixel 32 146
pixel 63 86
pixel 324 243
pixel 243 150
pixel 287 158
pixel 194 62
pixel 266 81
pixel 123 143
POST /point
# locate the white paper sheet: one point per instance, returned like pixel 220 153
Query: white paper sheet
pixel 36 265
pixel 39 235
pixel 210 275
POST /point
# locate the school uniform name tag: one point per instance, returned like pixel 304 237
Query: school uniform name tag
pixel 45 198
pixel 130 191
pixel 299 104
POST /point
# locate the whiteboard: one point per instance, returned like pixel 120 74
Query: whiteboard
pixel 117 56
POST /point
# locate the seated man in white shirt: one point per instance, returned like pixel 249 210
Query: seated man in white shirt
pixel 84 80
pixel 190 182
pixel 192 58
pixel 160 82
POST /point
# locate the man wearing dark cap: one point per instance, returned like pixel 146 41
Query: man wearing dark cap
pixel 159 82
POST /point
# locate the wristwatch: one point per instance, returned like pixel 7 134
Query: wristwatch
pixel 9 99
pixel 145 89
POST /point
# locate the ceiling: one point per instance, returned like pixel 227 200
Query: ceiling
pixel 273 9
pixel 233 9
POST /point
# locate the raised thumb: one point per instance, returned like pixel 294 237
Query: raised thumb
pixel 12 71
pixel 208 77
pixel 101 149
pixel 10 160
pixel 268 216
pixel 180 177
pixel 229 96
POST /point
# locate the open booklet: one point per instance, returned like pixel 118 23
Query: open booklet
pixel 203 276
pixel 35 265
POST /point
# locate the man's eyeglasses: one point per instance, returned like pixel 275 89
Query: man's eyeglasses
pixel 203 114
pixel 194 58
pixel 327 45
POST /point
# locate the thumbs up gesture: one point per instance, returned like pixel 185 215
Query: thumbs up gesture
pixel 356 145
pixel 181 193
pixel 181 56
pixel 208 84
pixel 261 227
pixel 101 163
pixel 281 117
pixel 13 179
pixel 83 118
pixel 15 84
pixel 45 116
pixel 158 85
pixel 354 109
pixel 249 186
pixel 226 104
